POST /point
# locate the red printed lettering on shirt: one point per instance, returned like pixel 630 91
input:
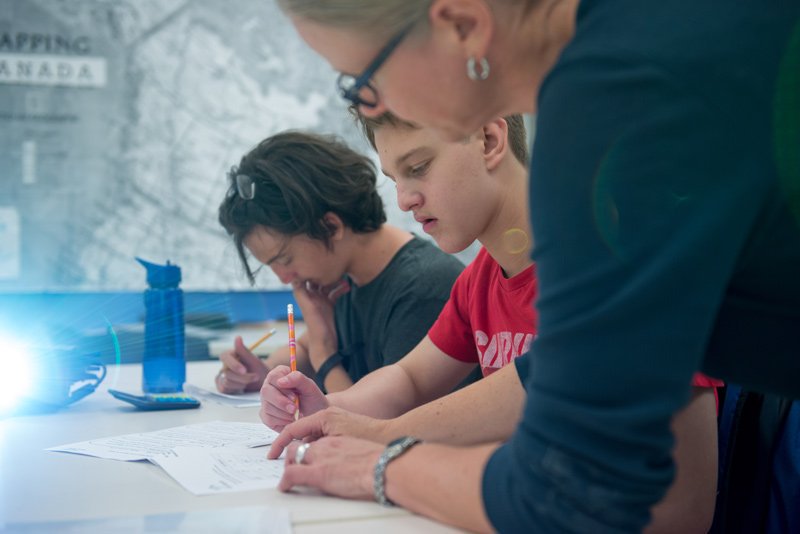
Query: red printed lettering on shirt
pixel 490 354
pixel 500 349
pixel 505 349
pixel 526 344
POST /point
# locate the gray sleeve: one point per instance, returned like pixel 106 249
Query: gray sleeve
pixel 419 297
pixel 407 323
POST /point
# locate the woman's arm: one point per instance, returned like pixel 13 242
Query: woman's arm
pixel 437 481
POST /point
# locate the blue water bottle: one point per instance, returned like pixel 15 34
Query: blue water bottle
pixel 164 365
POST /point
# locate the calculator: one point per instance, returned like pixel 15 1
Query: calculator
pixel 158 401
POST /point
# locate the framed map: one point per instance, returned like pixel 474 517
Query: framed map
pixel 118 121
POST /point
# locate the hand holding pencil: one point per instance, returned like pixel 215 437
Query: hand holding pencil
pixel 241 369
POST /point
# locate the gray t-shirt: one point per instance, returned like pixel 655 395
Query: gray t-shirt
pixel 382 321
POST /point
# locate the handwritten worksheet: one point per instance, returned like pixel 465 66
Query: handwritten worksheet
pixel 147 445
pixel 205 471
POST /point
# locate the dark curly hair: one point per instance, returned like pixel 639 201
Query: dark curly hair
pixel 299 177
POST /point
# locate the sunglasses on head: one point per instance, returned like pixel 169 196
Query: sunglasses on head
pixel 242 184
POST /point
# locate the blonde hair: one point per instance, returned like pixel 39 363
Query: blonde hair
pixel 373 17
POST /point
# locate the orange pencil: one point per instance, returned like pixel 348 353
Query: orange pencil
pixel 257 344
pixel 263 338
pixel 293 355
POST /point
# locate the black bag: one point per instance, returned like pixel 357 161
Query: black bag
pixel 759 464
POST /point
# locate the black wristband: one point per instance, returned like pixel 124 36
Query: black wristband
pixel 326 367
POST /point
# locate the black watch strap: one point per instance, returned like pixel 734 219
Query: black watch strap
pixel 326 367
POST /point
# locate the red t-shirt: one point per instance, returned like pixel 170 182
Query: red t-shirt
pixel 699 380
pixel 489 319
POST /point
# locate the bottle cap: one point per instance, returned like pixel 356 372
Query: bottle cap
pixel 161 276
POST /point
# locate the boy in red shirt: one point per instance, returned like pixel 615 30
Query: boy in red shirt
pixel 459 192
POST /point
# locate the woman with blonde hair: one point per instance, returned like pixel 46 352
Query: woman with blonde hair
pixel 665 205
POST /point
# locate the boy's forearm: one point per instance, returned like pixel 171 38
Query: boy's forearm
pixel 483 412
pixel 384 393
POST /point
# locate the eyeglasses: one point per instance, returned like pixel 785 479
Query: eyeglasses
pixel 351 87
pixel 242 184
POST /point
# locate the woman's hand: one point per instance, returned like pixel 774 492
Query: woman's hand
pixel 332 421
pixel 340 466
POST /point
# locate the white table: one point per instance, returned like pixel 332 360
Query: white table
pixel 37 485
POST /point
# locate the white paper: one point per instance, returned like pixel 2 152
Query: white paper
pixel 205 471
pixel 244 520
pixel 243 400
pixel 144 446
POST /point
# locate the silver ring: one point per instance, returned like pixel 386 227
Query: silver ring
pixel 221 375
pixel 300 453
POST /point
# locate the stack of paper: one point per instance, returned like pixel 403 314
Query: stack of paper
pixel 205 458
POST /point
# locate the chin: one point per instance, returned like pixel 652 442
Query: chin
pixel 452 247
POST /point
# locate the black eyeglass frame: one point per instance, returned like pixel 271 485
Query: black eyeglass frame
pixel 242 184
pixel 358 83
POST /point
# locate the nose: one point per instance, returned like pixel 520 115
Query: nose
pixel 407 197
pixel 284 275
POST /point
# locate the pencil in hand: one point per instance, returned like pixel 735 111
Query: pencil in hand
pixel 293 355
pixel 263 338
pixel 251 348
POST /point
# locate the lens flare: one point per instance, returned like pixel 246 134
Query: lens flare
pixel 516 241
pixel 16 379
pixel 117 352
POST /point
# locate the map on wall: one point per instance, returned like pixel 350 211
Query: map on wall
pixel 118 122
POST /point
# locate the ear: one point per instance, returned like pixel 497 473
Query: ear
pixel 335 225
pixel 467 24
pixel 495 142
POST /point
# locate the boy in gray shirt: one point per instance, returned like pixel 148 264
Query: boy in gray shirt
pixel 307 207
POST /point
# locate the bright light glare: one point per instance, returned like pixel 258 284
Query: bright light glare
pixel 15 374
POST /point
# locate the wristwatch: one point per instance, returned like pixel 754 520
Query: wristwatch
pixel 392 451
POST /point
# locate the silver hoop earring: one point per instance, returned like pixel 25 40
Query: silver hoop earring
pixel 473 73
